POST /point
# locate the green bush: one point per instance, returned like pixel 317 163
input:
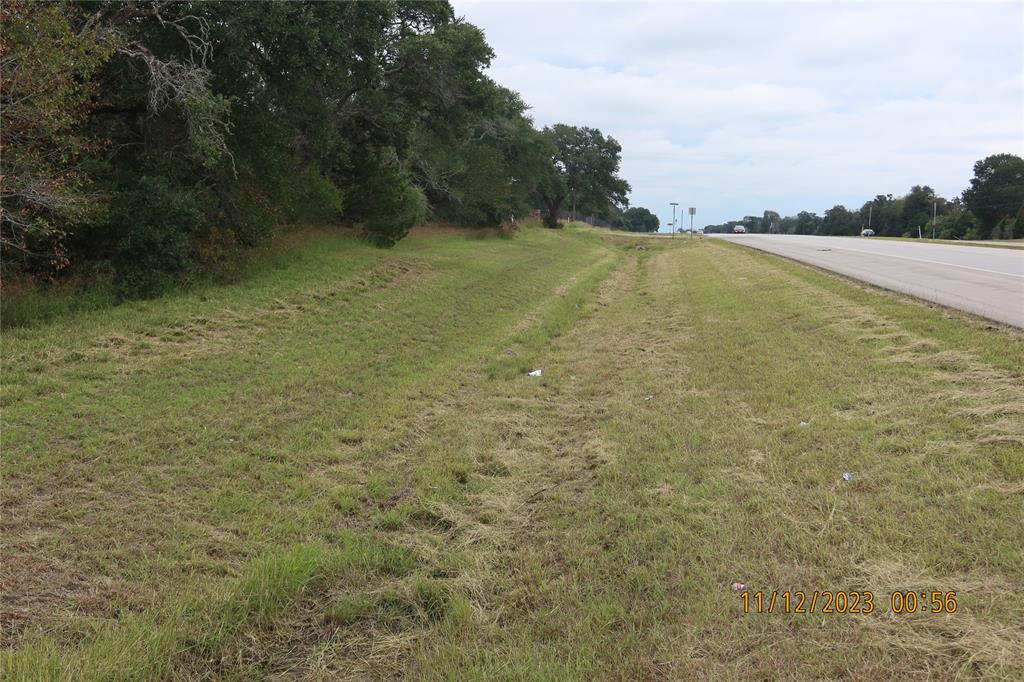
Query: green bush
pixel 313 198
pixel 386 203
pixel 273 188
pixel 153 224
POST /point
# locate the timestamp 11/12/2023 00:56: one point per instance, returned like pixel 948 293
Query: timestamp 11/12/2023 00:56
pixel 847 602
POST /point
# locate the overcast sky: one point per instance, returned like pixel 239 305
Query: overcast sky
pixel 737 108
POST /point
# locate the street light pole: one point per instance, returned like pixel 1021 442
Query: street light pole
pixel 692 211
pixel 673 204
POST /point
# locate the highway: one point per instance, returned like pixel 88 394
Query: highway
pixel 982 280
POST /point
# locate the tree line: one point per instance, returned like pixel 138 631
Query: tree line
pixel 150 141
pixel 992 207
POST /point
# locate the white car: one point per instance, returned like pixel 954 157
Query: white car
pixel 867 232
pixel 739 229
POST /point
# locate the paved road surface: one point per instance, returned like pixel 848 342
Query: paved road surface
pixel 984 281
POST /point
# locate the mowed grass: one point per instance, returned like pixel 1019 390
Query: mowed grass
pixel 340 469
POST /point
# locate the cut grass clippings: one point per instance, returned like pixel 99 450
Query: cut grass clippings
pixel 339 469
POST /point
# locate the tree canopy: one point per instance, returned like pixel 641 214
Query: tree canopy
pixel 639 219
pixel 156 139
pixel 584 172
pixel 996 194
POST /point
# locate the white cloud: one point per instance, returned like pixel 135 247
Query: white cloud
pixel 791 106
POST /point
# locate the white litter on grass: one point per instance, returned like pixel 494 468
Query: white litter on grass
pixel 805 424
pixel 738 587
pixel 648 397
pixel 537 373
pixel 847 476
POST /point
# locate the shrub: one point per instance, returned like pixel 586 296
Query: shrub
pixel 153 224
pixel 386 203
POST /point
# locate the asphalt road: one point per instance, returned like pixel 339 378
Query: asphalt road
pixel 985 281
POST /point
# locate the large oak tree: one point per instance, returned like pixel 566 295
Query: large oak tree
pixel 584 172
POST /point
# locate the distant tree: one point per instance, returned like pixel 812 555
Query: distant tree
pixel 752 223
pixel 806 223
pixel 992 208
pixel 997 189
pixel 723 227
pixel 957 222
pixel 918 207
pixel 885 214
pixel 838 220
pixel 639 219
pixel 583 172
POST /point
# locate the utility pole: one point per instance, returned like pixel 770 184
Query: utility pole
pixel 935 209
pixel 673 204
pixel 870 208
pixel 692 211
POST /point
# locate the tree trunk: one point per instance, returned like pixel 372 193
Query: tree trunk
pixel 552 204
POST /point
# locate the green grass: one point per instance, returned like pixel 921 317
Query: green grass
pixel 339 468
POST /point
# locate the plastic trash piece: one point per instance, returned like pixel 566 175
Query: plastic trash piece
pixel 648 397
pixel 738 586
pixel 537 373
pixel 847 476
pixel 805 423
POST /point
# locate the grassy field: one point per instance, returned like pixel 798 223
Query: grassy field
pixel 341 469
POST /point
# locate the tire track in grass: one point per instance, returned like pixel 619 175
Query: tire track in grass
pixel 589 524
pixel 454 499
pixel 624 570
pixel 403 445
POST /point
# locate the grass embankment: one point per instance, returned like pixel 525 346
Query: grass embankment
pixel 341 469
